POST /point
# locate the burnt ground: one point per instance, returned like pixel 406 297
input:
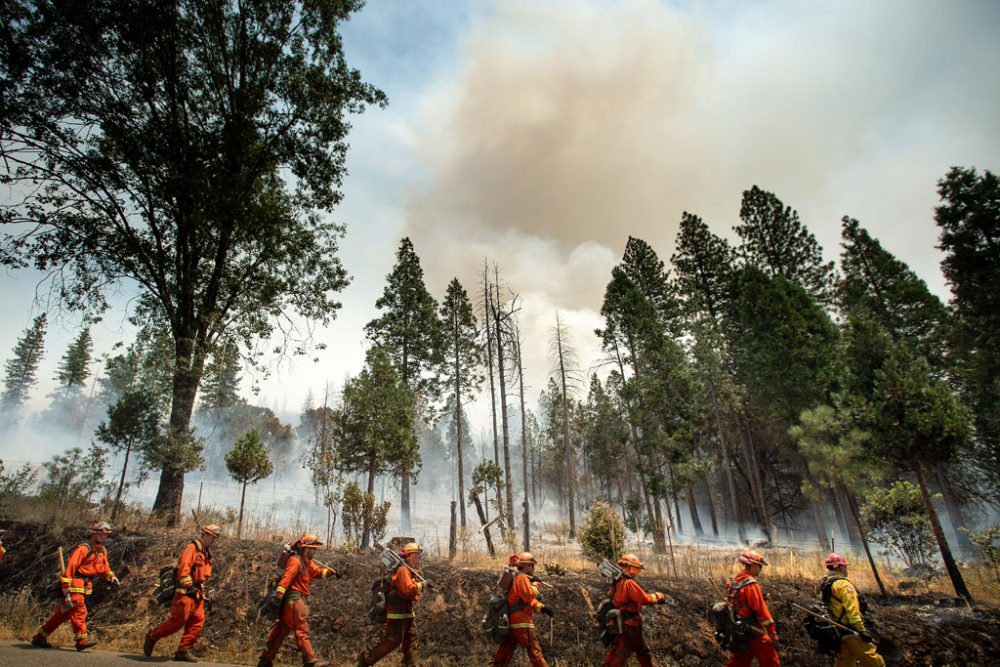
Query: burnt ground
pixel 929 631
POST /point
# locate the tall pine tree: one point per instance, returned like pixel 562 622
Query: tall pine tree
pixel 408 330
pixel 460 373
pixel 775 241
pixel 21 371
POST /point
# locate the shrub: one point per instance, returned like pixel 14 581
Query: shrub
pixel 898 520
pixel 603 534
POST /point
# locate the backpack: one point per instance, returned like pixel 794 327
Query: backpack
pixel 166 585
pixel 732 633
pixel 609 618
pixel 378 609
pixel 496 622
pixel 826 635
pixel 166 580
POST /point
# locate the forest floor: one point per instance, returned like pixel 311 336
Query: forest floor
pixel 930 628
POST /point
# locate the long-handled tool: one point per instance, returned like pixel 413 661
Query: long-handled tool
pixel 825 618
pixel 717 589
pixel 62 563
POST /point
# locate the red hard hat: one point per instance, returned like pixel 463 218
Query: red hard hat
pixel 835 560
pixel 752 558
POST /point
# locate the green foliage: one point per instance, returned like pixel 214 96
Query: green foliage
pixel 408 329
pixel 775 241
pixel 359 509
pixel 782 344
pixel 220 384
pixel 213 209
pixel 916 417
pixel 74 477
pixel 897 519
pixel 486 476
pixel 876 282
pixel 20 371
pixel 376 420
pixel 14 485
pixel 74 367
pixel 133 423
pixel 988 543
pixel 603 533
pixel 969 219
pixel 248 461
pixel 836 448
pixel 703 263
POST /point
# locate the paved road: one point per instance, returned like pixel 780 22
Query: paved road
pixel 23 654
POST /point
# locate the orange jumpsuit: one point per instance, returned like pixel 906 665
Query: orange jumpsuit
pixel 293 589
pixel 187 610
pixel 86 562
pixel 524 602
pixel 750 605
pixel 2 551
pixel 628 596
pixel 400 631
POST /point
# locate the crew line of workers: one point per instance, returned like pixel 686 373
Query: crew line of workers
pixel 194 567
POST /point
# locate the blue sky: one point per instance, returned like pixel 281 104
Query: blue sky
pixel 543 133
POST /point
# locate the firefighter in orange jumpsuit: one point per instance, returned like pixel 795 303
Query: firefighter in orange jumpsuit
pixel 292 591
pixel 2 550
pixel 745 595
pixel 628 597
pixel 841 599
pixel 87 561
pixel 523 601
pixel 400 630
pixel 187 610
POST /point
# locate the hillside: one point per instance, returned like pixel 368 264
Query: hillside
pixel 929 630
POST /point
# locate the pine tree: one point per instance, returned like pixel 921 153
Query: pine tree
pixel 460 373
pixel 220 383
pixel 133 424
pixel 776 241
pixel 969 219
pixel 409 332
pixel 70 406
pixel 248 463
pixel 376 424
pixel 21 371
pixel 875 280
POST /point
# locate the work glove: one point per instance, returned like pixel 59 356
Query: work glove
pixel 866 637
pixel 337 574
pixel 114 580
pixel 428 586
pixel 548 612
pixel 661 598
pixel 68 600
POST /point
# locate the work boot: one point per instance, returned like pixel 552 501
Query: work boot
pixel 147 646
pixel 316 663
pixel 40 642
pixel 85 644
pixel 184 655
pixel 264 662
pixel 361 660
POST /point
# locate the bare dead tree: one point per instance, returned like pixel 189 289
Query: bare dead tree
pixel 565 364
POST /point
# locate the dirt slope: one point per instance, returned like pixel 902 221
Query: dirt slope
pixel 929 632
